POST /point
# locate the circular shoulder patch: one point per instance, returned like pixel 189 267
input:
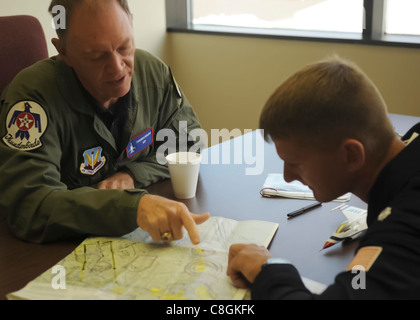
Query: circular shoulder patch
pixel 26 122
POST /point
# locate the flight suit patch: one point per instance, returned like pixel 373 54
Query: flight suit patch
pixel 365 258
pixel 93 161
pixel 26 122
pixel 140 143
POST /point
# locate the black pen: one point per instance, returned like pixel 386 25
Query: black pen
pixel 303 210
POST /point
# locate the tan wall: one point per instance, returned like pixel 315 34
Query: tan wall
pixel 229 79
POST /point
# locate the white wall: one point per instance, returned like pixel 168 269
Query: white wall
pixel 149 25
pixel 149 20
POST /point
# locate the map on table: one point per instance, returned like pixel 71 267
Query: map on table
pixel 135 267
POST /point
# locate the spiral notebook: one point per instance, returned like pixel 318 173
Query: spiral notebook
pixel 276 186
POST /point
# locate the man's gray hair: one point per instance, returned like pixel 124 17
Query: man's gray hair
pixel 69 5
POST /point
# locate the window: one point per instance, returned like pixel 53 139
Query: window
pixel 402 17
pixel 378 22
pixel 311 15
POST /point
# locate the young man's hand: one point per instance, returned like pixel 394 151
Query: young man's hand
pixel 245 262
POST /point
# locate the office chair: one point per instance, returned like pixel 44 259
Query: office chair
pixel 22 43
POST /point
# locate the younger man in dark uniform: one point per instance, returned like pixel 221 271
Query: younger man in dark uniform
pixel 329 124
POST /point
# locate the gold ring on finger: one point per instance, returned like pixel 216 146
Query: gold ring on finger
pixel 166 236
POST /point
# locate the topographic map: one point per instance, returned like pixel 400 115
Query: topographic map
pixel 135 267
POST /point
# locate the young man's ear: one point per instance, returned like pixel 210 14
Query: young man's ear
pixel 354 153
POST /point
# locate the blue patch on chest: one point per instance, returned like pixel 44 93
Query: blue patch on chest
pixel 139 143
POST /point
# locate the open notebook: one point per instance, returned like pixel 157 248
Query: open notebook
pixel 276 186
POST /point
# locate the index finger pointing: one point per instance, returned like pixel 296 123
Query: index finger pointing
pixel 200 218
pixel 189 222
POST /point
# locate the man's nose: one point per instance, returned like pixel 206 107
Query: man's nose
pixel 115 63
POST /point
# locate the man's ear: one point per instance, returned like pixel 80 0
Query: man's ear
pixel 355 154
pixel 61 49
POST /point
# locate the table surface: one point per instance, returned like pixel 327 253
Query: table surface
pixel 223 190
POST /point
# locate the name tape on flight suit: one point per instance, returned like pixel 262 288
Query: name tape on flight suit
pixel 26 122
pixel 139 143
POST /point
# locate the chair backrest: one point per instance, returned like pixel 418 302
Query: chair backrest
pixel 22 43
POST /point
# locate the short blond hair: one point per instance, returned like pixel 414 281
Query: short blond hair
pixel 325 103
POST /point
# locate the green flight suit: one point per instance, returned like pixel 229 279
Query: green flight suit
pixel 55 148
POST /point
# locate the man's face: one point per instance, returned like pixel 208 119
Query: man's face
pixel 324 172
pixel 100 47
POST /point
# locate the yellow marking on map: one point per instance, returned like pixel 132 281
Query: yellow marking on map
pixel 165 296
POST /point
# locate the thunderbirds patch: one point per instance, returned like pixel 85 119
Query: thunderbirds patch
pixel 26 123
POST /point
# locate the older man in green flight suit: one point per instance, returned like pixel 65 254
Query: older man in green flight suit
pixel 78 134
